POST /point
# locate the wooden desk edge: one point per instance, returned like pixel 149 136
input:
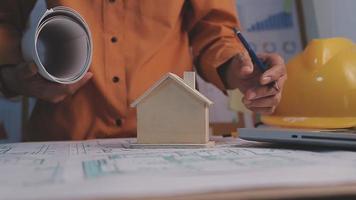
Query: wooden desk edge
pixel 332 191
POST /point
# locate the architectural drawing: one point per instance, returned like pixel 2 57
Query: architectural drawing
pixel 97 168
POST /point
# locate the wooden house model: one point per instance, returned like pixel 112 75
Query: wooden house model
pixel 173 112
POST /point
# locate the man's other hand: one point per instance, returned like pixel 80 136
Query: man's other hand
pixel 24 79
pixel 261 94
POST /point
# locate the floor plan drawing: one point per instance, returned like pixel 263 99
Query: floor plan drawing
pixel 97 168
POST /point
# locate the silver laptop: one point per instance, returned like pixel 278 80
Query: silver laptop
pixel 334 138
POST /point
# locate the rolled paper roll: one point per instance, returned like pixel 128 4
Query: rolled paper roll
pixel 60 43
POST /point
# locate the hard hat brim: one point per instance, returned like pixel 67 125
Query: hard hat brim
pixel 310 122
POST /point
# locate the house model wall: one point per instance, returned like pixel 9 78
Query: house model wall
pixel 172 111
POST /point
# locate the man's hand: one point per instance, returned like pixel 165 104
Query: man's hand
pixel 24 79
pixel 261 95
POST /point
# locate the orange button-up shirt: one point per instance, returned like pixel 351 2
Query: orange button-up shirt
pixel 135 43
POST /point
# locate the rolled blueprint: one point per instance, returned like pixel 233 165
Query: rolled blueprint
pixel 59 42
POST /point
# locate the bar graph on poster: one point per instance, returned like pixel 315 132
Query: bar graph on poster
pixel 270 26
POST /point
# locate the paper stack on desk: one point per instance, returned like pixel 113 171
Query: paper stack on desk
pixel 59 42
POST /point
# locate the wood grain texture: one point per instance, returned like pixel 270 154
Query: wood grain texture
pixel 345 191
pixel 172 115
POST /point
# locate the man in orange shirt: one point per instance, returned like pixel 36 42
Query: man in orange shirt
pixel 135 43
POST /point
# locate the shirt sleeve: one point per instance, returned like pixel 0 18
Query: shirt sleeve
pixel 13 18
pixel 210 24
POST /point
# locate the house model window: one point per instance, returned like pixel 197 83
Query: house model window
pixel 173 112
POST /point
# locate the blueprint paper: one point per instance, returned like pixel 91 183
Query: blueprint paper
pixel 110 169
pixel 59 42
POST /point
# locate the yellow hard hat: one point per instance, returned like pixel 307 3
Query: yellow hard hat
pixel 321 88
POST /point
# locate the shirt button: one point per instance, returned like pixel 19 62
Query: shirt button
pixel 114 39
pixel 118 122
pixel 115 79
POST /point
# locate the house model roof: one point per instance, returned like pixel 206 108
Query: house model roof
pixel 195 93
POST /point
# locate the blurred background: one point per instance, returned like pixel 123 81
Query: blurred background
pixel 281 26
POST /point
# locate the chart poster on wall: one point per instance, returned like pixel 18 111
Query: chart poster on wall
pixel 271 26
